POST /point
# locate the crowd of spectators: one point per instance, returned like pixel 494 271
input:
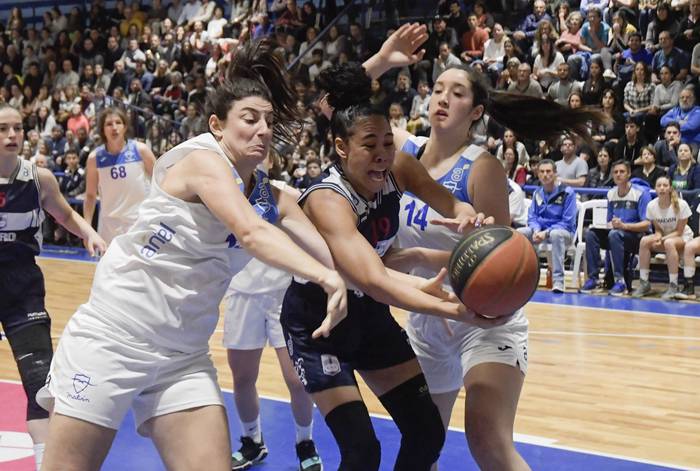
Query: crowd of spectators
pixel 638 61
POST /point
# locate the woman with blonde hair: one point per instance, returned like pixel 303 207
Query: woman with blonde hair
pixel 669 215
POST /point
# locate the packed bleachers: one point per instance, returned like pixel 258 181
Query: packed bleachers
pixel 638 61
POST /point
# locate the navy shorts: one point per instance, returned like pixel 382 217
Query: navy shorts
pixel 367 339
pixel 21 295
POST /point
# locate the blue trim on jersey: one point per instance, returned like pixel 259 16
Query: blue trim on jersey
pixel 129 154
pixel 261 199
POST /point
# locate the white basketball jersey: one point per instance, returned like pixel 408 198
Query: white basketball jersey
pixel 123 185
pixel 163 280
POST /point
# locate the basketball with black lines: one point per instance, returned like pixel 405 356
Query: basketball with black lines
pixel 494 270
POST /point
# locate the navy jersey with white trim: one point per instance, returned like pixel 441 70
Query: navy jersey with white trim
pixel 21 214
pixel 377 219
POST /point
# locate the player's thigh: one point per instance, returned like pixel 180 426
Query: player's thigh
pixel 188 438
pixel 492 394
pixel 384 380
pixel 445 402
pixel 76 445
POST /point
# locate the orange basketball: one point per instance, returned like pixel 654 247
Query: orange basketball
pixel 494 270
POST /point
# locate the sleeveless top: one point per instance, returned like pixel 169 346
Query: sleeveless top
pixel 163 281
pixel 123 185
pixel 377 219
pixel 21 214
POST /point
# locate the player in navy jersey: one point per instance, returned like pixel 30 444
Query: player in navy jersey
pixel 121 169
pixel 142 339
pixel 489 363
pixel 355 206
pixel 25 192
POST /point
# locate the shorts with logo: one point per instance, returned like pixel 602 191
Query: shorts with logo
pixel 21 295
pixel 253 320
pixel 99 372
pixel 447 356
pixel 367 339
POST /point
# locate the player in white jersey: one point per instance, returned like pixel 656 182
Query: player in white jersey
pixel 141 341
pixel 120 169
pixel 489 363
pixel 25 192
pixel 251 321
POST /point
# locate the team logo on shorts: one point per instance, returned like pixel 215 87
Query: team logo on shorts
pixel 80 384
pixel 330 364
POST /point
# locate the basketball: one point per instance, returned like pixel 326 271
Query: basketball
pixel 494 270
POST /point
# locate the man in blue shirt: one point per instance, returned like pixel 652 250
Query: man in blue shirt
pixel 676 59
pixel 525 33
pixel 631 56
pixel 552 219
pixel 627 223
pixel 687 115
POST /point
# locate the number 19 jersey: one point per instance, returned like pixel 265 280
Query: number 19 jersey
pixel 123 185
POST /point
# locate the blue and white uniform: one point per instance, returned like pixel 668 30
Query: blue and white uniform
pixel 445 359
pixel 368 338
pixel 142 338
pixel 253 305
pixel 123 185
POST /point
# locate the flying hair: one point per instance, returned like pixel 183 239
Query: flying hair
pixel 256 71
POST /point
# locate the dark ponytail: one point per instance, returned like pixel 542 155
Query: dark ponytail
pixel 256 71
pixel 530 117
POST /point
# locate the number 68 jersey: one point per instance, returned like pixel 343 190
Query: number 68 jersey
pixel 123 185
pixel 415 229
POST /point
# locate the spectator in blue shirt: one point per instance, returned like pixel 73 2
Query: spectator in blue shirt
pixel 677 60
pixel 630 56
pixel 627 223
pixel 687 115
pixel 552 219
pixel 525 33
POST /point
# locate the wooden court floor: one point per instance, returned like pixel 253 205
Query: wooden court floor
pixel 616 382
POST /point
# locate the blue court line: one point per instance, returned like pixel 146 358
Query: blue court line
pixel 131 451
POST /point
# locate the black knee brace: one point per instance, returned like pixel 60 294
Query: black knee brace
pixel 353 431
pixel 418 420
pixel 32 349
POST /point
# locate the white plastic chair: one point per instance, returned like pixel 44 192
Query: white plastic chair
pixel 599 207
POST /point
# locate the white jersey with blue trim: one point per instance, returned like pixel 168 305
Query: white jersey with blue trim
pixel 163 281
pixel 415 229
pixel 123 185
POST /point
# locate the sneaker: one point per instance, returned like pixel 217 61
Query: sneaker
pixel 589 286
pixel 308 456
pixel 688 291
pixel 558 287
pixel 618 289
pixel 671 292
pixel 642 290
pixel 249 454
pixel 609 74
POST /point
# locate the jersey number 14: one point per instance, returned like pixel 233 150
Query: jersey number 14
pixel 418 217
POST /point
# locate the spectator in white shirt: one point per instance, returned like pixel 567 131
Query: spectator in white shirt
pixel 189 11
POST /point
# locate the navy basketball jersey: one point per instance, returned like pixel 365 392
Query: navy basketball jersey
pixel 377 219
pixel 20 213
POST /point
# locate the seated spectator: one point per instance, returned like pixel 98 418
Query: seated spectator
pixel 484 18
pixel 525 84
pixel 691 249
pixel 562 88
pixel 514 171
pixel 72 182
pixel 649 171
pixel 569 41
pixel 68 77
pixel 676 59
pixel 311 34
pixel 189 10
pixel 612 131
pixel 548 62
pixel 403 93
pixel 687 114
pixel 304 175
pixel 689 35
pixel 418 118
pixel 594 86
pixel 552 219
pixel 639 92
pixel 396 116
pixel 627 207
pixel 595 35
pixel 378 97
pixel 667 147
pixel 629 148
pixel 494 50
pixel 600 176
pixel 473 40
pixel 510 141
pixel 630 56
pixel 77 120
pixel 444 60
pixel 685 174
pixel 204 14
pixel 525 33
pixel 665 21
pixel 57 144
pixel 318 63
pixel 193 124
pixel 666 93
pixel 516 205
pixel 669 217
pixel 571 169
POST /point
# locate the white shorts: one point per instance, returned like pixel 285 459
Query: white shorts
pixel 97 374
pixel 446 359
pixel 253 320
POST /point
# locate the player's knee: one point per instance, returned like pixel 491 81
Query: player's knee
pixel 32 349
pixel 353 431
pixel 489 445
